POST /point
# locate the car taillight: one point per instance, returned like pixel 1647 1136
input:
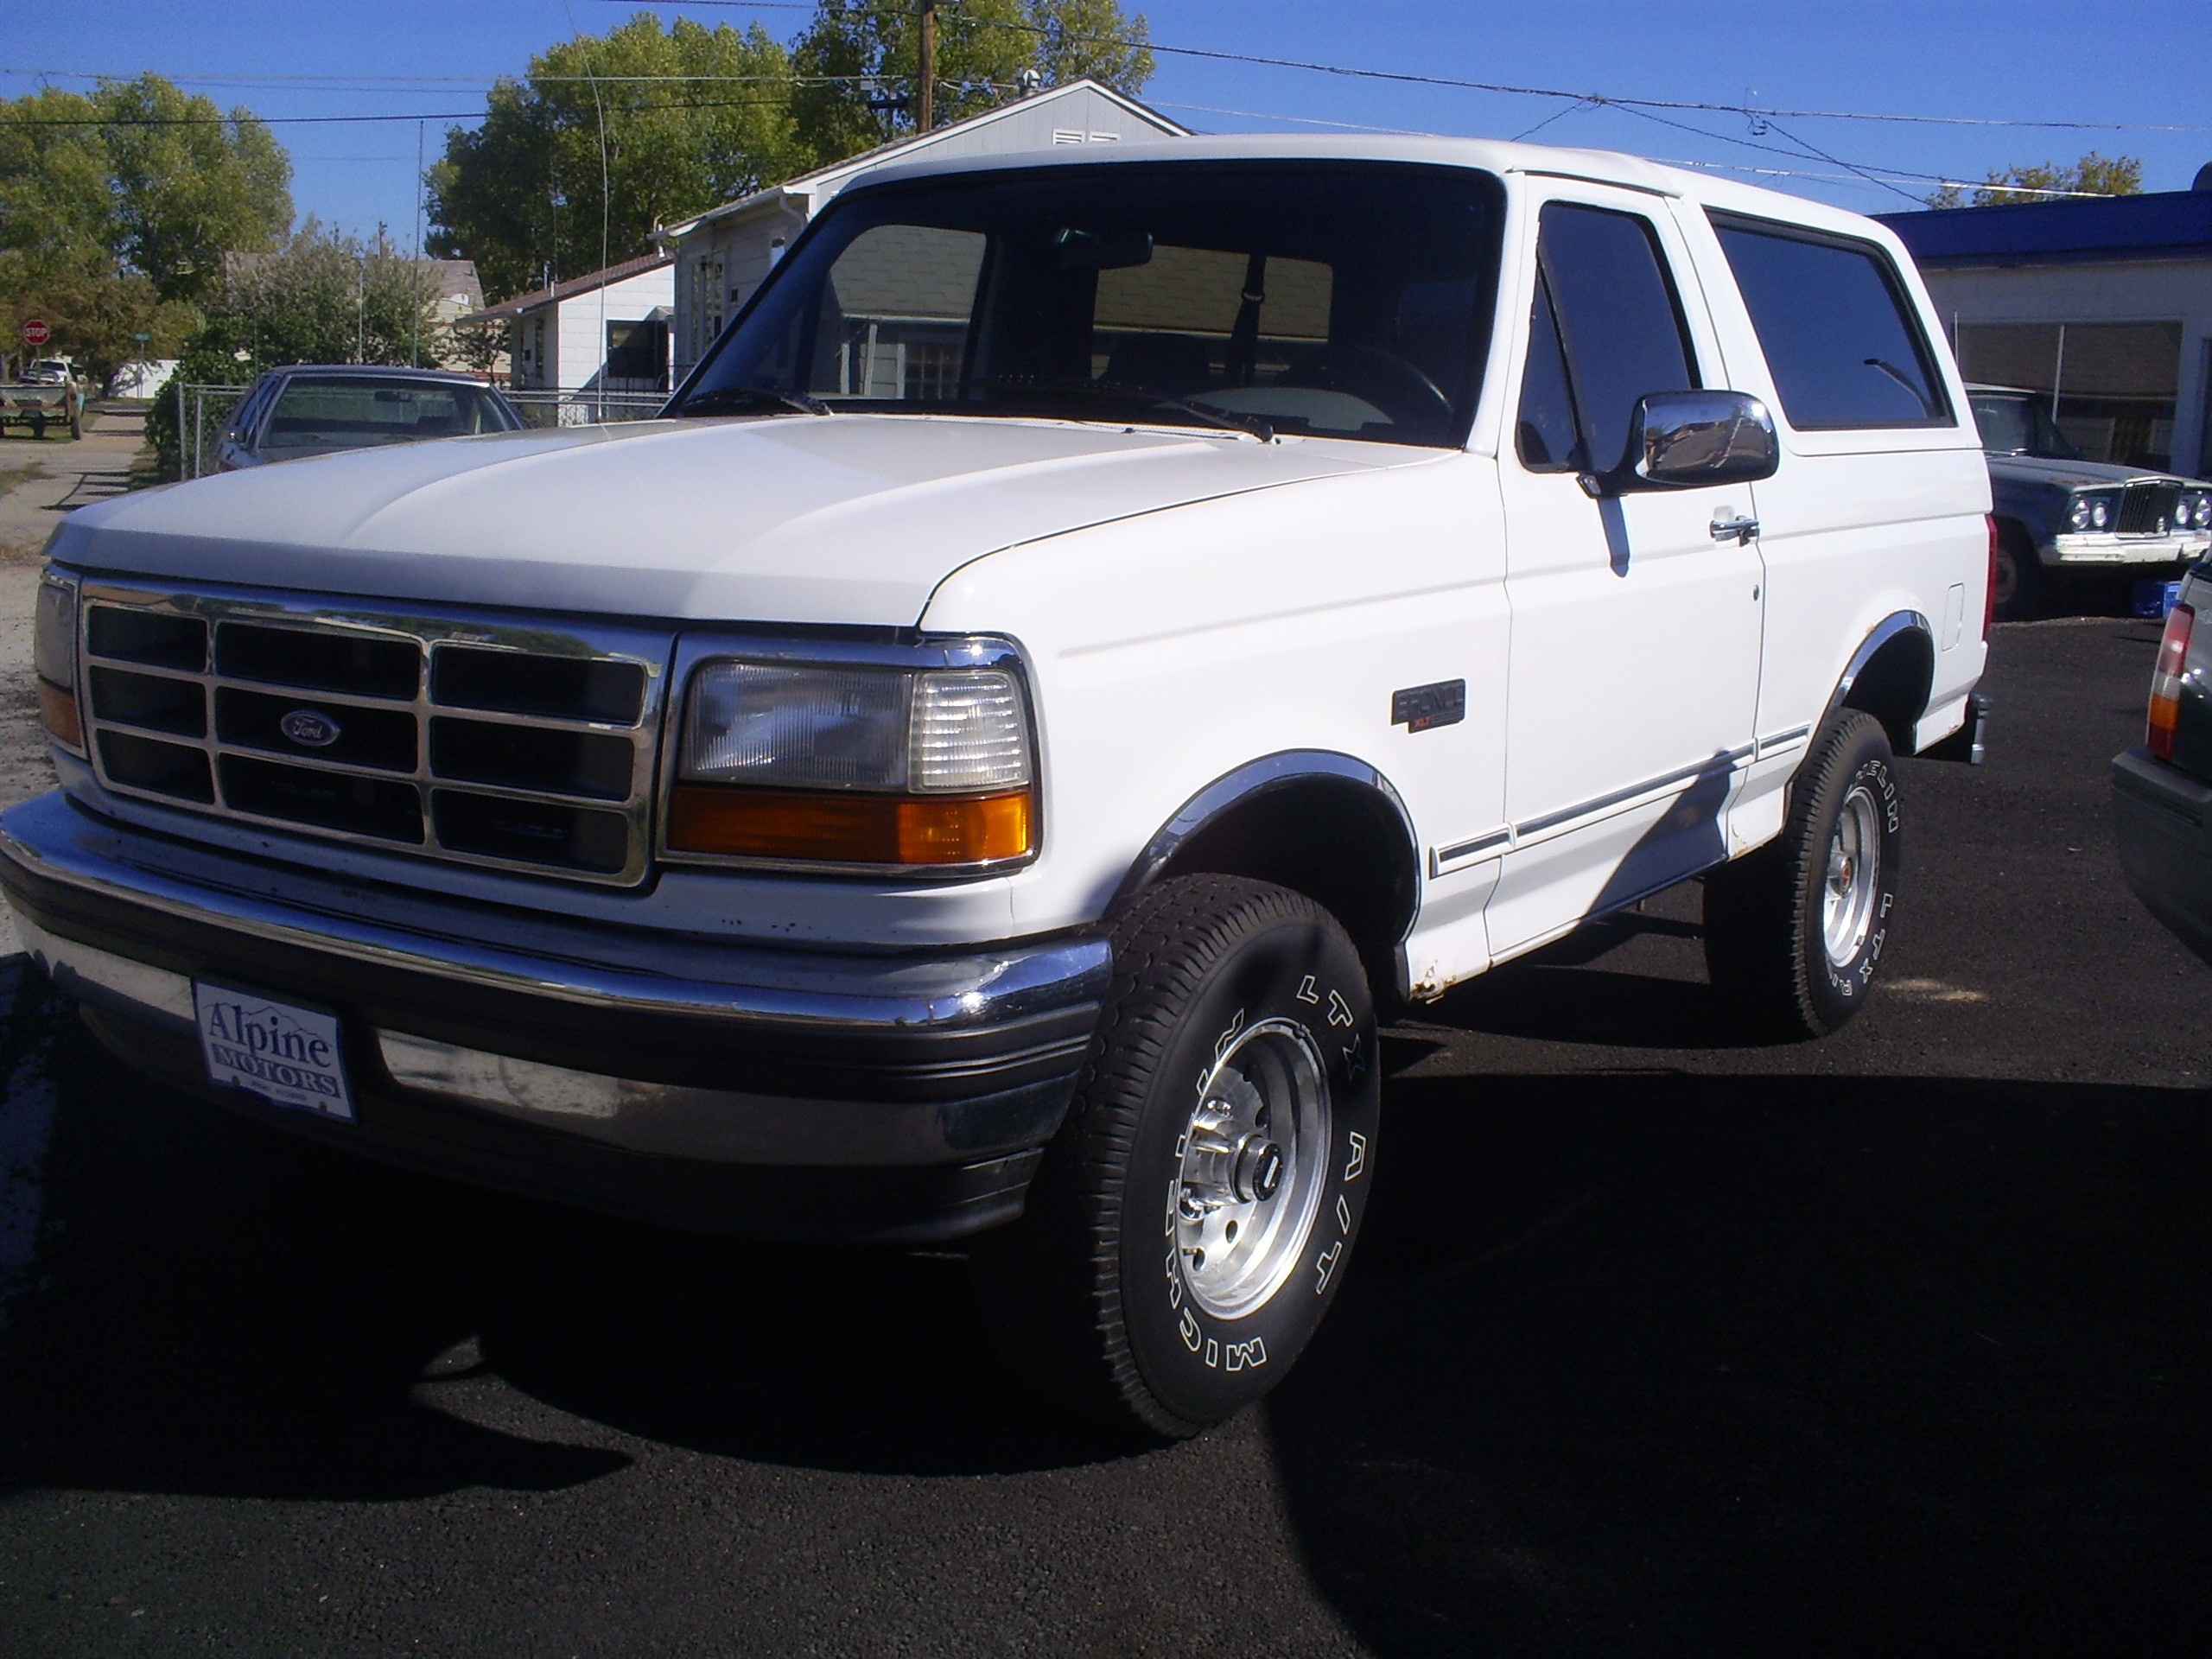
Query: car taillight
pixel 1989 587
pixel 2165 681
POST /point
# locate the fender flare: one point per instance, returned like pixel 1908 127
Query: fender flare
pixel 1261 777
pixel 1891 627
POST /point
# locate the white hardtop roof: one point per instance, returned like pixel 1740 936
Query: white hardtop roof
pixel 1493 155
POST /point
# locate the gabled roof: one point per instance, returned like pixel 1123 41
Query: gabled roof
pixel 913 145
pixel 589 283
pixel 2163 225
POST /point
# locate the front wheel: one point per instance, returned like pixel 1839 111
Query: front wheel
pixel 1191 1221
pixel 2022 586
pixel 1792 932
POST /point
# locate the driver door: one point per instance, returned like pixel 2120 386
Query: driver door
pixel 1636 618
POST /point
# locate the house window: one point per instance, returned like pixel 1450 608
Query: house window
pixel 637 356
pixel 2111 385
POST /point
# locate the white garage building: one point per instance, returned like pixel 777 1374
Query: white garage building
pixel 722 256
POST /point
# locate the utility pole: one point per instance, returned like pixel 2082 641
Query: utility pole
pixel 415 351
pixel 925 105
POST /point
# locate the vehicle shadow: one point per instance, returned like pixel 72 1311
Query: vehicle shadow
pixel 1556 994
pixel 1759 1365
pixel 223 1310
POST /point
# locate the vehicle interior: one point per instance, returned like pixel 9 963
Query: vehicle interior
pixel 1259 295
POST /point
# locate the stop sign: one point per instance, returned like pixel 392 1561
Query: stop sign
pixel 35 332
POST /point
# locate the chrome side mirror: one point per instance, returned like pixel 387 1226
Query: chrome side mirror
pixel 1680 440
pixel 1683 439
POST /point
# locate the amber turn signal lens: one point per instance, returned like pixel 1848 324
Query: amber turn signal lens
pixel 59 709
pixel 837 827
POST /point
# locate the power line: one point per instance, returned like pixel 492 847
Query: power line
pixel 387 83
pixel 1410 78
pixel 1873 176
pixel 322 120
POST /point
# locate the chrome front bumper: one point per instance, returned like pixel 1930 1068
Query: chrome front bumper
pixel 582 1060
pixel 2105 548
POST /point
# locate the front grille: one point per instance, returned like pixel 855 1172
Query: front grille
pixel 2148 509
pixel 523 743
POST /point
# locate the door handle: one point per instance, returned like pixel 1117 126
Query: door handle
pixel 1737 528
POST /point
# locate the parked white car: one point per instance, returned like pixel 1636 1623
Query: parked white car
pixel 1089 634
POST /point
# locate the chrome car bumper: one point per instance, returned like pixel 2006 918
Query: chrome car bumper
pixel 2099 549
pixel 746 1089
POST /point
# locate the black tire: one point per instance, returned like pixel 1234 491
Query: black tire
pixel 1224 991
pixel 1766 946
pixel 2023 584
pixel 38 426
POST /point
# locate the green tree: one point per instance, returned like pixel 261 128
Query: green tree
pixel 521 196
pixel 2093 174
pixel 190 184
pixel 116 208
pixel 57 204
pixel 857 62
pixel 100 318
pixel 324 298
pixel 321 297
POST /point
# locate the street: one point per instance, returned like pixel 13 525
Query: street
pixel 1656 1343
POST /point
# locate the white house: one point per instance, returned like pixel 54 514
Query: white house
pixel 605 332
pixel 722 256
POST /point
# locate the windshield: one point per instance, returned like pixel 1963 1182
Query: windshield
pixel 350 413
pixel 1343 300
pixel 2013 424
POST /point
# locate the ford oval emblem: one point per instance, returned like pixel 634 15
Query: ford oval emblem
pixel 308 729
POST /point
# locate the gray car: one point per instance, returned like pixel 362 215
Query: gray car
pixel 2058 513
pixel 313 408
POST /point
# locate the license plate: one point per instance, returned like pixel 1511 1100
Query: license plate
pixel 285 1054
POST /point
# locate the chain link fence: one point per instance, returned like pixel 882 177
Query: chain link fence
pixel 585 408
pixel 203 414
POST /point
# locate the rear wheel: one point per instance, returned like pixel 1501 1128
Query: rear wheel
pixel 1793 931
pixel 1191 1223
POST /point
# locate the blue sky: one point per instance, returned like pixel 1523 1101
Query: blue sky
pixel 2025 61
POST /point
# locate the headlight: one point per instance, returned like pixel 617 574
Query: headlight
pixel 53 652
pixel 855 765
pixel 2194 512
pixel 2090 512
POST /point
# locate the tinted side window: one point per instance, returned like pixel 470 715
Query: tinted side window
pixel 1619 323
pixel 1845 349
pixel 1550 441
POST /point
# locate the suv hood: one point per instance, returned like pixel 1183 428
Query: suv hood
pixel 841 519
pixel 2073 474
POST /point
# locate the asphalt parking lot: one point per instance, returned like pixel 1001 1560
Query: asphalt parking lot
pixel 1657 1343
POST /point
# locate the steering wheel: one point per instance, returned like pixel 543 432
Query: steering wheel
pixel 1399 388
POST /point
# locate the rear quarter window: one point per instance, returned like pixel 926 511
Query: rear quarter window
pixel 1843 343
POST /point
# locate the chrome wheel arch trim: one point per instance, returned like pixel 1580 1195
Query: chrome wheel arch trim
pixel 1269 773
pixel 1891 627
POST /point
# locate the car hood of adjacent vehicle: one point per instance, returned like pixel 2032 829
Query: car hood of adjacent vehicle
pixel 2053 474
pixel 834 519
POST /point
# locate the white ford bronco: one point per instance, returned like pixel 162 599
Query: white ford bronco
pixel 1087 636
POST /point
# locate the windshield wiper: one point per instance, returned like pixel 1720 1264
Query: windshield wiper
pixel 720 399
pixel 1229 420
